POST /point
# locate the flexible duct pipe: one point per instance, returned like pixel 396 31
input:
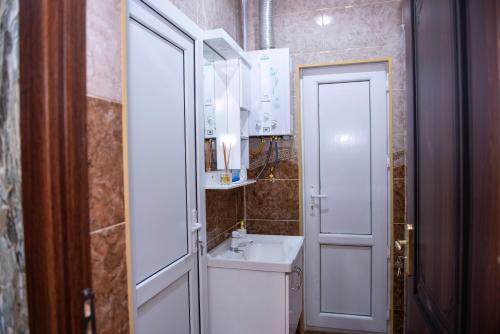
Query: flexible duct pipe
pixel 266 24
pixel 244 21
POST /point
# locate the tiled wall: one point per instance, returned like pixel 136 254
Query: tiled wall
pixel 104 128
pixel 359 29
pixel 224 209
pixel 13 301
pixel 272 207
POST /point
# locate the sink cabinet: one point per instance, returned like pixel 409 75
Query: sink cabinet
pixel 249 301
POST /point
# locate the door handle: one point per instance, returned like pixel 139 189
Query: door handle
pixel 400 244
pixel 313 201
pixel 300 275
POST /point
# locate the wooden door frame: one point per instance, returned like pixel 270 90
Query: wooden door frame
pixel 482 276
pixel 54 162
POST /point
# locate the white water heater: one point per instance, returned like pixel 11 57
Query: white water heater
pixel 270 111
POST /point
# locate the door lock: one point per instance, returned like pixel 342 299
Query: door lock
pixel 315 203
pixel 89 323
pixel 407 244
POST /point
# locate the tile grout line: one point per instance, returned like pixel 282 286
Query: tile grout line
pixel 336 8
pixel 104 229
pixel 340 51
pixel 274 220
pixel 106 99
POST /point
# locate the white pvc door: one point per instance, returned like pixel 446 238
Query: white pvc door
pixel 161 173
pixel 346 217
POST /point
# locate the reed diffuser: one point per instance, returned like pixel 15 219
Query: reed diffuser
pixel 225 177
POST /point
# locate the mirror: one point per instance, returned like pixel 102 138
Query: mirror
pixel 215 103
pixel 226 137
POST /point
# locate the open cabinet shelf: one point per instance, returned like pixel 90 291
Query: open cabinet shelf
pixel 230 186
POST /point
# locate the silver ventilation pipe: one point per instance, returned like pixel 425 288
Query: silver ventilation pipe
pixel 244 21
pixel 266 24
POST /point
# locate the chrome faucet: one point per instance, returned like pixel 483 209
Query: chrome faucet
pixel 237 242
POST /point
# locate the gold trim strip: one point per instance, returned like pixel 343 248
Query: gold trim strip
pixel 128 235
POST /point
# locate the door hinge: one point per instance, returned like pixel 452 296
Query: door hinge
pixel 201 247
pixel 89 320
pixel 194 217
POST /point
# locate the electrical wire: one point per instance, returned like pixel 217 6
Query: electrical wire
pixel 270 150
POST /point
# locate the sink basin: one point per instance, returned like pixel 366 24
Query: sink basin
pixel 266 253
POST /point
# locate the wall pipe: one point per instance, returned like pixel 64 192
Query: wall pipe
pixel 266 24
pixel 244 22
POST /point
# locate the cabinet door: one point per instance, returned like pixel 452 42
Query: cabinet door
pixel 245 86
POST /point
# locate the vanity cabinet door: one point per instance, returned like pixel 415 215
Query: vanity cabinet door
pixel 295 281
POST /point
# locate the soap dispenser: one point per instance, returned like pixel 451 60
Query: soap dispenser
pixel 243 229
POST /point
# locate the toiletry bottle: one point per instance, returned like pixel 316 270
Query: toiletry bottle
pixel 242 230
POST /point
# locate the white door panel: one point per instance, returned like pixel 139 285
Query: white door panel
pixel 346 279
pixel 344 159
pixel 345 145
pixel 168 311
pixel 157 185
pixel 162 186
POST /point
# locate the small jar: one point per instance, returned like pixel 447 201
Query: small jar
pixel 225 178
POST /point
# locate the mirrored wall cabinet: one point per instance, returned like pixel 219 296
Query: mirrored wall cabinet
pixel 245 94
pixel 227 101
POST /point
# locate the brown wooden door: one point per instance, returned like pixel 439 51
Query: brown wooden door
pixel 54 163
pixel 453 55
pixel 436 210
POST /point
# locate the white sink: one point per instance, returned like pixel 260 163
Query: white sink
pixel 265 253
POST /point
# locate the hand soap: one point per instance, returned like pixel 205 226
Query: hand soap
pixel 242 230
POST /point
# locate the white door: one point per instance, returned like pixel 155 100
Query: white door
pixel 346 197
pixel 161 173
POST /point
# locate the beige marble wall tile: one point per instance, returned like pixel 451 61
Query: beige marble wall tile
pixel 283 7
pixel 399 112
pixel 109 279
pixel 223 14
pixel 299 32
pixel 189 7
pixel 105 163
pixel 357 27
pixel 103 49
pixel 399 165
